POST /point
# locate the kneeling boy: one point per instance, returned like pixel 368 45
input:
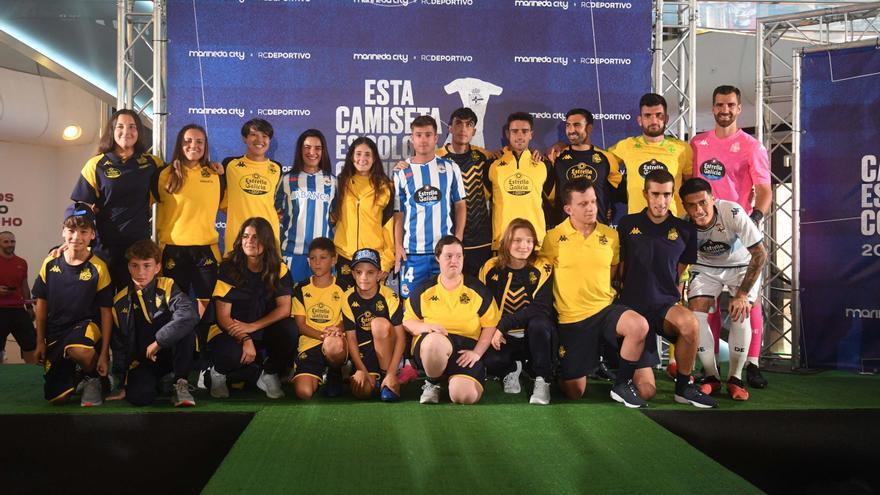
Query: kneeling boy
pixel 154 331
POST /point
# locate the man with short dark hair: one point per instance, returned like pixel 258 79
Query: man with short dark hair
pixel 738 168
pixel 16 309
pixel 428 193
pixel 583 160
pixel 655 250
pixel 473 162
pixel 652 150
pixel 519 182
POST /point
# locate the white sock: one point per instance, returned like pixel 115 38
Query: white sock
pixel 739 339
pixel 753 360
pixel 706 349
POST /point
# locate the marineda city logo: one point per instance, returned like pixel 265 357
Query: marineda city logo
pixel 869 314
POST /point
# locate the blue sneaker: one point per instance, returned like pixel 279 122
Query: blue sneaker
pixel 388 395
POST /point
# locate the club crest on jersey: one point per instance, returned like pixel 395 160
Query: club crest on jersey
pixel 158 301
pixel 380 306
pixel 597 158
pixel 254 184
pixel 475 155
pixel 562 351
pixel 464 299
pixel 582 171
pixel 734 148
pixel 346 270
pixel 712 169
pixel 603 240
pixel 650 166
pixel 327 181
pixel 205 172
pixel 112 173
pixel 335 296
pixel 533 278
pixel 441 167
pixel 518 184
pixel 427 195
pixel 170 264
pixel 272 168
pixel 85 275
pixel 672 235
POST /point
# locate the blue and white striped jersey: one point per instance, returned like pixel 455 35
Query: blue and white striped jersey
pixel 425 193
pixel 304 201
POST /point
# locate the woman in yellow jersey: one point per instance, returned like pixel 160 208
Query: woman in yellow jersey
pixel 116 183
pixel 452 320
pixel 251 182
pixel 364 210
pixel 189 195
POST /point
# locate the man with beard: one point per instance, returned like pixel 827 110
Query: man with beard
pixel 16 309
pixel 581 160
pixel 738 168
pixel 653 150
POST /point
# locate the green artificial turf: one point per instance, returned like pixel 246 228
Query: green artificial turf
pixel 501 445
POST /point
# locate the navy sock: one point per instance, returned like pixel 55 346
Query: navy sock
pixel 681 382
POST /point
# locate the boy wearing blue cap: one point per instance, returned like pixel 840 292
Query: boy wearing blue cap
pixel 372 317
pixel 73 300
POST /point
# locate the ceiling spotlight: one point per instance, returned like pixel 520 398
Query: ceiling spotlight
pixel 71 132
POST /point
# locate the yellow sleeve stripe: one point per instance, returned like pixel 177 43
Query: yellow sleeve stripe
pixel 221 289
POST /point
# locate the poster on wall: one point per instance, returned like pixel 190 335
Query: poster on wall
pixel 840 218
pixel 369 67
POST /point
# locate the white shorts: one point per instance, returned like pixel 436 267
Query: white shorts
pixel 710 281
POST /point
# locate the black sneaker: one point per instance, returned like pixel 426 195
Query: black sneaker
pixel 692 395
pixel 754 376
pixel 333 387
pixel 626 394
pixel 602 372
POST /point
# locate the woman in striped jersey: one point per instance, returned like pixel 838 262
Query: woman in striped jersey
pixel 189 197
pixel 304 200
pixel 364 210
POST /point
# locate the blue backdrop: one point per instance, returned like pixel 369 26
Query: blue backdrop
pixel 368 67
pixel 840 196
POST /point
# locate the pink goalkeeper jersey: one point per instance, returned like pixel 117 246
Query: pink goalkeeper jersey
pixel 732 165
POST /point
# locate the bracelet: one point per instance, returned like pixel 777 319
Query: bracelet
pixel 756 216
pixel 246 338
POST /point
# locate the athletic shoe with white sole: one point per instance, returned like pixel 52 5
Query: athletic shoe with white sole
pixel 219 390
pixel 91 395
pixel 692 395
pixel 511 381
pixel 627 394
pixel 430 393
pixel 181 395
pixel 271 384
pixel 541 393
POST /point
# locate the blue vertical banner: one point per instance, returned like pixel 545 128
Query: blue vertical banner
pixel 369 67
pixel 840 199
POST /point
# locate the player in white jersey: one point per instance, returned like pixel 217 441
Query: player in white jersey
pixel 303 200
pixel 427 194
pixel 731 255
pixel 474 94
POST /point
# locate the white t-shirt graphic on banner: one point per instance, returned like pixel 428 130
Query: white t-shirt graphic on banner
pixel 475 95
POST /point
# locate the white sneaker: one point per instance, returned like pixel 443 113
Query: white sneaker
pixel 430 393
pixel 271 384
pixel 91 395
pixel 511 380
pixel 541 392
pixel 200 384
pixel 219 390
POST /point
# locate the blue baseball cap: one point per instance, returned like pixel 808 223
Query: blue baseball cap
pixel 81 210
pixel 366 255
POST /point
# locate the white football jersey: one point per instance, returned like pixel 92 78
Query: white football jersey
pixel 726 243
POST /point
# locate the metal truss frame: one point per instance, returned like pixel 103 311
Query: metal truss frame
pixel 778 128
pixel 675 70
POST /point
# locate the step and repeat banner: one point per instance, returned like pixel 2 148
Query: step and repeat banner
pixel 840 197
pixel 369 67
